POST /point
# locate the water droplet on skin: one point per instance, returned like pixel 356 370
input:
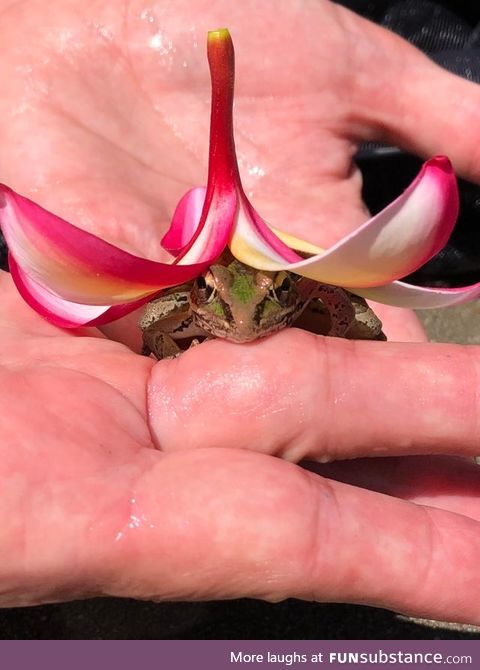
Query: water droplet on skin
pixel 147 15
pixel 104 31
pixel 156 41
pixel 64 38
pixel 134 522
pixel 160 43
pixel 256 171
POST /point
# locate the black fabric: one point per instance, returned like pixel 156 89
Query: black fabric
pixel 113 618
pixel 448 32
pixel 408 17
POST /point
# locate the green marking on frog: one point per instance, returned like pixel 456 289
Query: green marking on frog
pixel 269 307
pixel 243 284
pixel 217 309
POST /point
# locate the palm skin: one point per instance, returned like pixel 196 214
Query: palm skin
pixel 129 477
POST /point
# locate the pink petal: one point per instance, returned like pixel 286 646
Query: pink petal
pixel 185 220
pixel 220 204
pixel 400 294
pixel 78 266
pixel 392 244
pixel 61 312
pixel 73 277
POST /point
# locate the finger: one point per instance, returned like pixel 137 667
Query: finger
pixel 227 524
pixel 305 396
pixel 418 105
pixel 446 482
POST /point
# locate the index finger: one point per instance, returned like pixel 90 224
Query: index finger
pixel 224 523
pixel 298 395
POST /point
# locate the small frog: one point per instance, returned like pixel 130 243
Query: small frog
pixel 236 302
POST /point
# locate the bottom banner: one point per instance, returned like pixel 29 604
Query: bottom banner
pixel 240 654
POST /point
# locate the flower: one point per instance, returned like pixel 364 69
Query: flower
pixel 75 278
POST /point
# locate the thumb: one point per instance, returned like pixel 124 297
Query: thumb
pixel 410 101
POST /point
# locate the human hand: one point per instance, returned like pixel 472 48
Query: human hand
pixel 109 457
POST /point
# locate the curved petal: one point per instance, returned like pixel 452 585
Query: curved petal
pixel 397 293
pixel 61 312
pixel 400 294
pixel 76 265
pixel 392 244
pixel 185 220
pixel 302 246
pixel 220 204
pixel 211 235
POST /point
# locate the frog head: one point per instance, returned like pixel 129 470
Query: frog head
pixel 240 303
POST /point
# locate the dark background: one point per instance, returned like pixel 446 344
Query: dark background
pixel 450 33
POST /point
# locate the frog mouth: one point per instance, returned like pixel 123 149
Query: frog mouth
pixel 231 334
pixel 233 331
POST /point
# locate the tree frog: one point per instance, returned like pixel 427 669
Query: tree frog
pixel 236 302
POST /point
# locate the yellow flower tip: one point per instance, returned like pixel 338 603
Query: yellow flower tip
pixel 218 35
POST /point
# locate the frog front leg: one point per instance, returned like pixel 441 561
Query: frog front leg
pixel 367 325
pixel 339 307
pixel 336 312
pixel 158 343
pixel 162 345
pixel 167 321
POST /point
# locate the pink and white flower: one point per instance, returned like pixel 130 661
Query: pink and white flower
pixel 75 278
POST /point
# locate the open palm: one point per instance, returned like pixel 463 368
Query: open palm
pixel 129 477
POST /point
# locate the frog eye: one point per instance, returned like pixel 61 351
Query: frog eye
pixel 279 279
pixel 204 290
pixel 283 292
pixel 283 288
